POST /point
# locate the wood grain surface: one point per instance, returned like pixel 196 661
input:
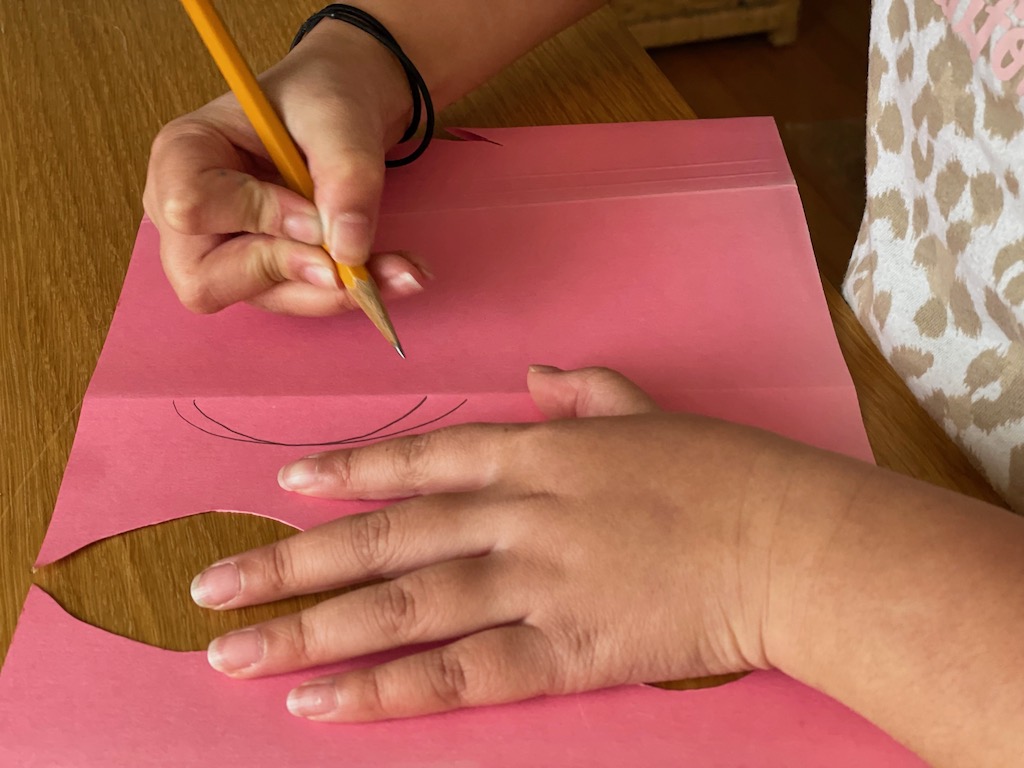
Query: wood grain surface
pixel 85 87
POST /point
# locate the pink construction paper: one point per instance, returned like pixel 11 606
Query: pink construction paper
pixel 74 695
pixel 674 252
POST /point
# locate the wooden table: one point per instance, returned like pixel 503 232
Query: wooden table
pixel 85 87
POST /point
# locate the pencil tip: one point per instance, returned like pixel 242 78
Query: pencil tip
pixel 398 349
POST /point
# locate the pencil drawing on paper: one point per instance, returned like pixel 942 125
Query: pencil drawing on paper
pixel 200 420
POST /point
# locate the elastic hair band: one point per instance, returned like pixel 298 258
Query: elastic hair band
pixel 421 101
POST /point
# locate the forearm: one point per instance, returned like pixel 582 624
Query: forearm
pixel 459 44
pixel 912 613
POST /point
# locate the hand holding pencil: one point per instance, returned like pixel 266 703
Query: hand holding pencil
pixel 229 233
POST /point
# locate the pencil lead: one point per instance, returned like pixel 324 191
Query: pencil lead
pixel 398 349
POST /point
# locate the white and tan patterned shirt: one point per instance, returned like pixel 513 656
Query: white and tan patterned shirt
pixel 937 275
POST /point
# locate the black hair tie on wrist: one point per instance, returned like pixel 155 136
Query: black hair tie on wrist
pixel 421 101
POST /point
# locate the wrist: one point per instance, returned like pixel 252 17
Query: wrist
pixel 371 74
pixel 906 609
pixel 809 525
pixel 779 515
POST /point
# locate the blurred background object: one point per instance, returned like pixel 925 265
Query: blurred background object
pixel 670 22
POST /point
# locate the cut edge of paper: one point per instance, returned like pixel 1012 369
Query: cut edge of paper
pixel 39 600
pixel 42 563
pixel 466 134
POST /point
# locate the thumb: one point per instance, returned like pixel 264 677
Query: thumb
pixel 346 161
pixel 586 392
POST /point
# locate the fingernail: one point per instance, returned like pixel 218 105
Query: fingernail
pixel 320 276
pixel 350 238
pixel 418 263
pixel 303 227
pixel 217 585
pixel 404 284
pixel 313 700
pixel 544 369
pixel 299 475
pixel 236 651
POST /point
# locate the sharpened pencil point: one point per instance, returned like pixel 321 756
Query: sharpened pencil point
pixel 398 349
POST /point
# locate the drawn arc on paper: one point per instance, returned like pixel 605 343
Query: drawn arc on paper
pixel 242 437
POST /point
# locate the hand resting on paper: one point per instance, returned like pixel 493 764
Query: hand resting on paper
pixel 616 543
pixel 557 548
pixel 230 232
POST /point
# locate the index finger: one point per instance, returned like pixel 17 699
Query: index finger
pixel 463 458
pixel 383 543
pixel 200 183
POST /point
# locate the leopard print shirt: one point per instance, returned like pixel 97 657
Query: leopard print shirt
pixel 937 275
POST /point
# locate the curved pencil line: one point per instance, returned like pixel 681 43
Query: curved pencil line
pixel 249 438
pixel 208 432
pixel 407 429
pixel 391 423
pixel 347 441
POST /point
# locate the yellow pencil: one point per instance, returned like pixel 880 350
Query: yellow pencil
pixel 279 144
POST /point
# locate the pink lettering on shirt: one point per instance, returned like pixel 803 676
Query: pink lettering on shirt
pixel 977 27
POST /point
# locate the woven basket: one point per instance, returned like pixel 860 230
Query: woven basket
pixel 657 23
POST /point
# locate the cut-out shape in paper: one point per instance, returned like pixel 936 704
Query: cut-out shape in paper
pixel 674 252
pixel 143 597
pixel 102 700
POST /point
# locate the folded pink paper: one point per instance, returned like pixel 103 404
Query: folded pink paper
pixel 673 252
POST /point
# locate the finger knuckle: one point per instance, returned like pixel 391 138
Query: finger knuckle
pixel 518 443
pixel 372 540
pixel 196 296
pixel 512 436
pixel 182 207
pixel 162 138
pixel 165 138
pixel 263 263
pixel 519 515
pixel 573 655
pixel 261 212
pixel 449 678
pixel 409 456
pixel 305 641
pixel 281 566
pixel 173 131
pixel 183 210
pixel 371 693
pixel 397 611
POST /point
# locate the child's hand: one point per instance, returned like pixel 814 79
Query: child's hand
pixel 230 233
pixel 569 555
